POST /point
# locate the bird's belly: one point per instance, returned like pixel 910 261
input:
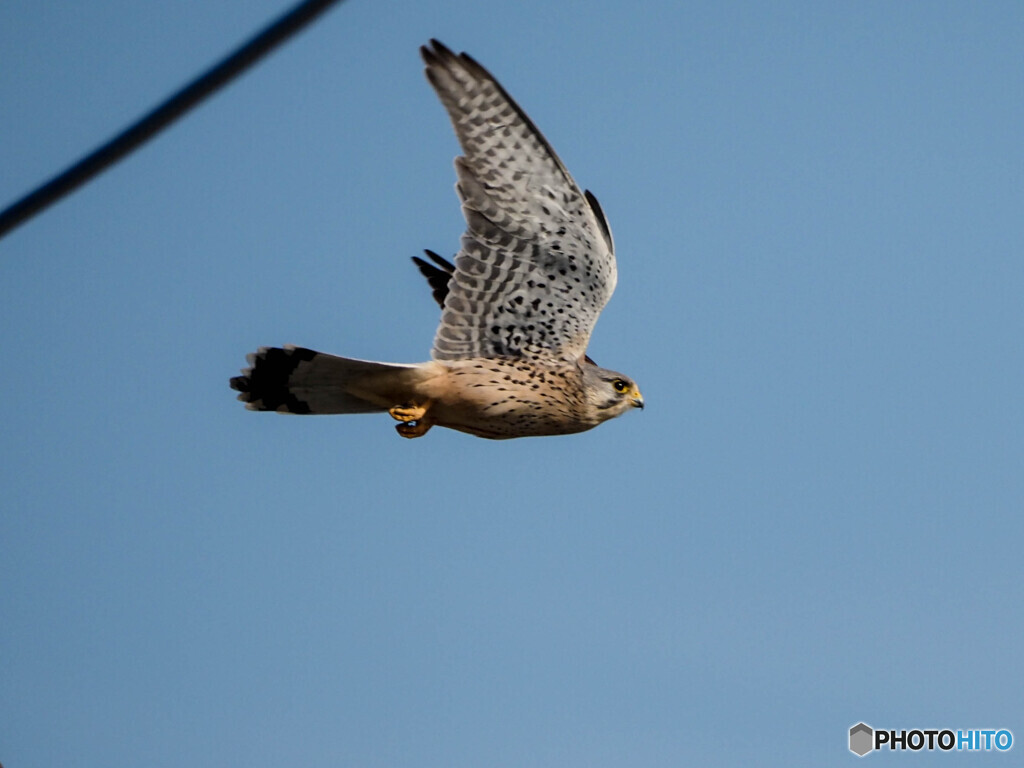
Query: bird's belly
pixel 502 401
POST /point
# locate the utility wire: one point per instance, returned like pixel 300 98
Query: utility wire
pixel 164 114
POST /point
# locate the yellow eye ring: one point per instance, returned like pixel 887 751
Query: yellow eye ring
pixel 620 385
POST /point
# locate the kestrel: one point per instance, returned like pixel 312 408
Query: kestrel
pixel 535 268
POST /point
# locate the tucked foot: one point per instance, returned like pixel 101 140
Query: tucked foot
pixel 411 429
pixel 408 413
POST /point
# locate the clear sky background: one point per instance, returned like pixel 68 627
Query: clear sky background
pixel 817 520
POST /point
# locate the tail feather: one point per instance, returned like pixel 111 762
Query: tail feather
pixel 298 380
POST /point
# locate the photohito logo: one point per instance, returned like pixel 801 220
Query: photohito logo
pixel 865 739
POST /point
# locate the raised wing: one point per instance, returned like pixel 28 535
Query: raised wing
pixel 438 274
pixel 537 262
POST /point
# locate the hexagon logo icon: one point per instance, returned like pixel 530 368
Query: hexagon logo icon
pixel 862 738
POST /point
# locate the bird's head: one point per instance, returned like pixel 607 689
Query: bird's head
pixel 609 393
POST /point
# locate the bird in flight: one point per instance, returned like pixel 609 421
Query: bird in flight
pixel 535 268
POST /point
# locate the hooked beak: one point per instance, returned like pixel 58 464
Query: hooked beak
pixel 638 399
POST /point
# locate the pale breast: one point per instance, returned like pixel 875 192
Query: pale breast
pixel 509 397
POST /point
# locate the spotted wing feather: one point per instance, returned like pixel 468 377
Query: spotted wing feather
pixel 537 263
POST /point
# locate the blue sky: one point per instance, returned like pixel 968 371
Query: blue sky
pixel 818 211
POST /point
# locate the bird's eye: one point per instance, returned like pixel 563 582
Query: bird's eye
pixel 620 385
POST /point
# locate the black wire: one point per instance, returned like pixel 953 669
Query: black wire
pixel 163 115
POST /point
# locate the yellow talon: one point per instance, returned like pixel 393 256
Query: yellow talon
pixel 408 412
pixel 413 418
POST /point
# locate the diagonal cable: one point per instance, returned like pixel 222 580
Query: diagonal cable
pixel 164 114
